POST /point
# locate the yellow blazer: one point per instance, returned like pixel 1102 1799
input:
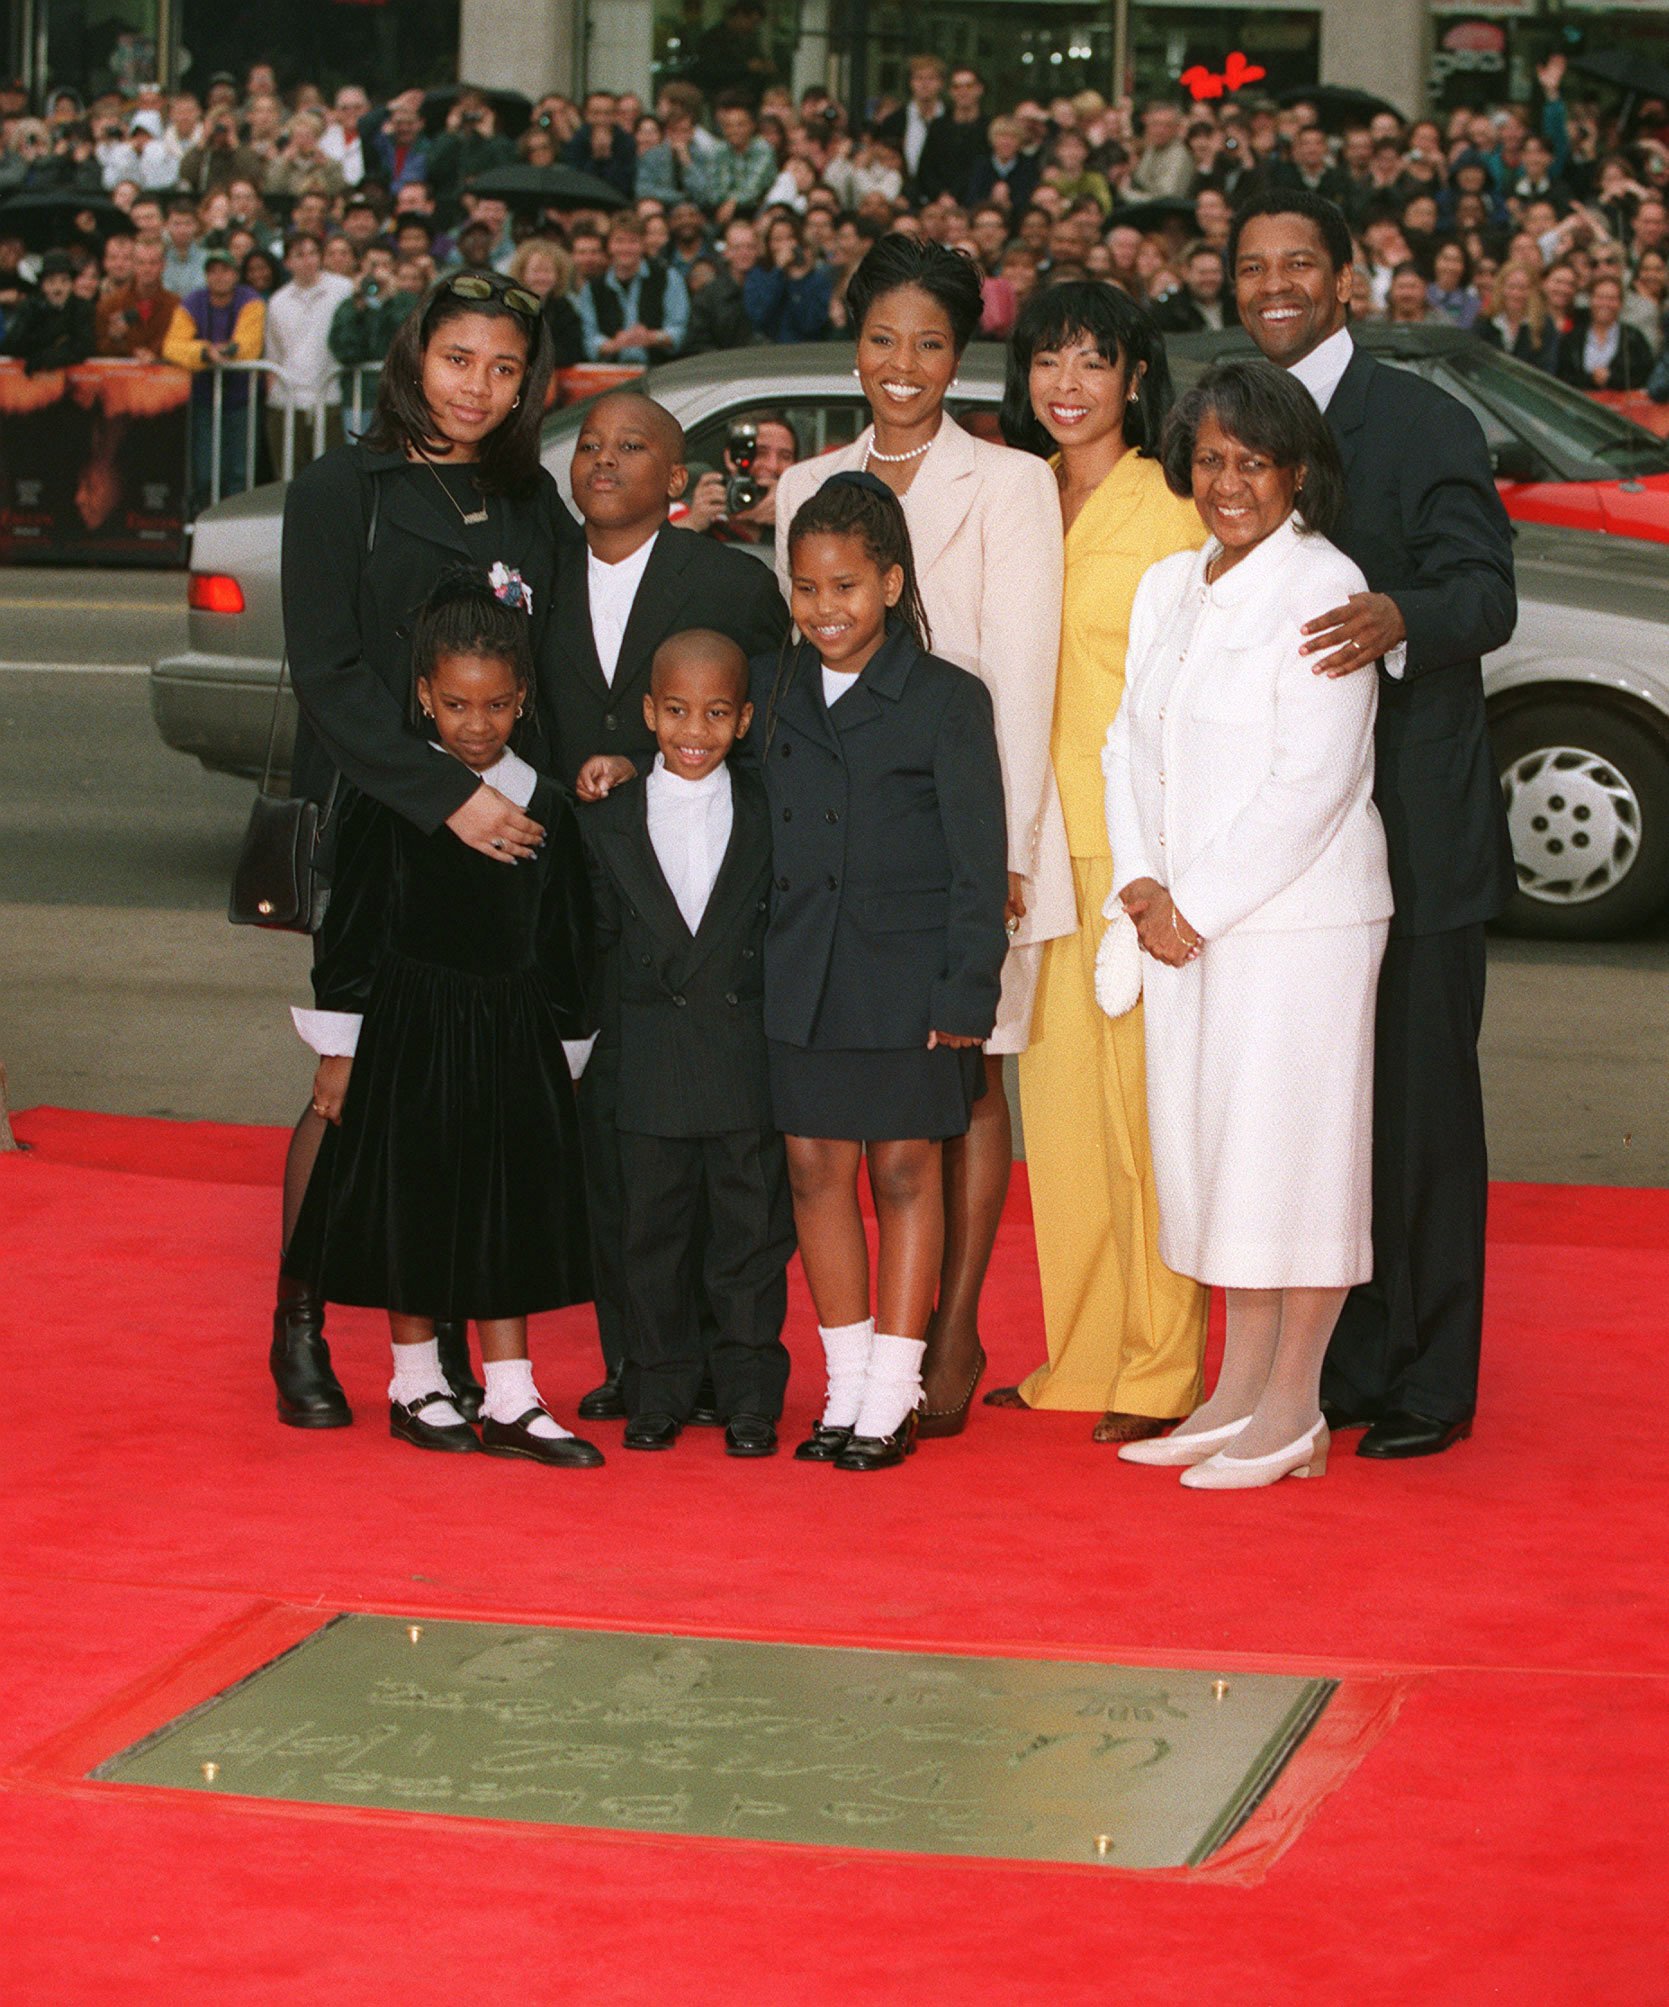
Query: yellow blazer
pixel 985 533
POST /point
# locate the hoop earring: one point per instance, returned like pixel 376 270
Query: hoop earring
pixel 517 404
pixel 520 708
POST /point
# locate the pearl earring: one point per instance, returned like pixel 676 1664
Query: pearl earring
pixel 855 370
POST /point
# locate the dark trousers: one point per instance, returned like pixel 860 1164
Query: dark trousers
pixel 706 1217
pixel 600 1148
pixel 1409 1339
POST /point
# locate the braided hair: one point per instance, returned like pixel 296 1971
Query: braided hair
pixel 463 615
pixel 854 504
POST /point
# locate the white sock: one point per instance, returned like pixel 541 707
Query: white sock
pixel 511 1392
pixel 892 1386
pixel 416 1373
pixel 846 1354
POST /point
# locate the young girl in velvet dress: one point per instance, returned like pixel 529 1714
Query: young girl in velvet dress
pixel 446 990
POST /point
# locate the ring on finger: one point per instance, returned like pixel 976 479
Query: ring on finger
pixel 498 842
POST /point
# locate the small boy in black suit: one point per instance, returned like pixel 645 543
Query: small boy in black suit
pixel 681 862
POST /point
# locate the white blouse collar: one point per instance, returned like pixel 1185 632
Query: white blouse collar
pixel 1253 571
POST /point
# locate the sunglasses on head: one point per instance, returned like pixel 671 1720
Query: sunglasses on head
pixel 476 286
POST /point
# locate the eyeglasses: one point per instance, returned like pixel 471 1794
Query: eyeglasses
pixel 476 286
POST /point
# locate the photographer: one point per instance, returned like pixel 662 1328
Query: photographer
pixel 364 324
pixel 470 145
pixel 220 158
pixel 739 506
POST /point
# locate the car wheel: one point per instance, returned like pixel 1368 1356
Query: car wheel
pixel 1587 795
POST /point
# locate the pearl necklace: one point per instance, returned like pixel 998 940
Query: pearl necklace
pixel 895 459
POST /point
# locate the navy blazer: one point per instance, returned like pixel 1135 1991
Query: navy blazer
pixel 682 1014
pixel 890 851
pixel 1424 522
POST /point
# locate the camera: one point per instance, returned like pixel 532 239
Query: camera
pixel 741 449
pixel 471 118
pixel 371 289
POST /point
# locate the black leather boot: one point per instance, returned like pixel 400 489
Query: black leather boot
pixel 309 1394
pixel 452 1337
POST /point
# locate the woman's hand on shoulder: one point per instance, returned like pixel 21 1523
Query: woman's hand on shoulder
pixel 496 827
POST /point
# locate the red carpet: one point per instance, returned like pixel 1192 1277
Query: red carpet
pixel 1498 1840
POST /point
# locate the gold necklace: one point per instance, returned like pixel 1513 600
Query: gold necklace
pixel 479 515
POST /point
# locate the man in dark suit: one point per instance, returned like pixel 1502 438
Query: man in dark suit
pixel 639 582
pixel 1427 528
pixel 681 863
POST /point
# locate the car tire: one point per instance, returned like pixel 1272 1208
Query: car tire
pixel 1587 795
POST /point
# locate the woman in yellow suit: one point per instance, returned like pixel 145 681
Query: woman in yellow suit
pixel 1087 374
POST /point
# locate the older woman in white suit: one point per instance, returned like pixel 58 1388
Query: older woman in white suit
pixel 985 534
pixel 1250 856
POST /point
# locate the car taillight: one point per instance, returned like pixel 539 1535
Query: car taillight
pixel 215 592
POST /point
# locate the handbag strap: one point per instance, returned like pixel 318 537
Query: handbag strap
pixel 284 666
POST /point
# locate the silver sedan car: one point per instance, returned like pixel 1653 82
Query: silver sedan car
pixel 1579 698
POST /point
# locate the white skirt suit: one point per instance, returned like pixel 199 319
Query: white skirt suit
pixel 990 558
pixel 1243 782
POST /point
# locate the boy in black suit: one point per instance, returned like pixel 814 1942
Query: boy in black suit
pixel 633 584
pixel 681 862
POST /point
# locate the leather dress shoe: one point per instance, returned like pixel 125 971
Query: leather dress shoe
pixel 750 1435
pixel 406 1424
pixel 652 1431
pixel 705 1414
pixel 605 1403
pixel 1404 1434
pixel 517 1439
pixel 452 1343
pixel 823 1445
pixel 309 1394
pixel 880 1452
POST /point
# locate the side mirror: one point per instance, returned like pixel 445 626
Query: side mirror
pixel 1513 460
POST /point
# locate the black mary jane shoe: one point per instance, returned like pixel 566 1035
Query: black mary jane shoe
pixel 705 1414
pixel 823 1445
pixel 309 1394
pixel 518 1439
pixel 652 1432
pixel 406 1424
pixel 606 1403
pixel 452 1343
pixel 880 1452
pixel 750 1435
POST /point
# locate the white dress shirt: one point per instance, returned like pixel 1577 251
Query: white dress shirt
pixel 836 683
pixel 1320 372
pixel 689 831
pixel 298 342
pixel 612 589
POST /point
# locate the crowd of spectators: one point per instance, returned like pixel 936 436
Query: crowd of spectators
pixel 255 222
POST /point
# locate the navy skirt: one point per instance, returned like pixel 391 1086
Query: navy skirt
pixel 875 1097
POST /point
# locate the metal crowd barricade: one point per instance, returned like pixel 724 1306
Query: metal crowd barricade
pixel 316 410
pixel 359 398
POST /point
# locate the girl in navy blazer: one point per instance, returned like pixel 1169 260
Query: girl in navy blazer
pixel 883 959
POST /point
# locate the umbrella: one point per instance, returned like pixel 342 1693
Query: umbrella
pixel 45 219
pixel 512 110
pixel 1638 75
pixel 1156 213
pixel 1338 105
pixel 547 187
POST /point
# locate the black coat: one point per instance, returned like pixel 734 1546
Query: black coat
pixel 348 612
pixel 1424 522
pixel 690 581
pixel 891 857
pixel 682 1015
pixel 1630 366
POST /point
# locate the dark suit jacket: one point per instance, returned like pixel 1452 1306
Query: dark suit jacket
pixel 690 582
pixel 1424 522
pixel 891 852
pixel 1630 366
pixel 682 1015
pixel 1177 313
pixel 348 615
pixel 949 155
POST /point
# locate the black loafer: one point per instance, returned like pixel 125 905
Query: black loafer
pixel 1345 1418
pixel 1402 1434
pixel 406 1424
pixel 880 1452
pixel 823 1445
pixel 517 1439
pixel 452 1343
pixel 705 1414
pixel 309 1394
pixel 750 1435
pixel 605 1403
pixel 652 1432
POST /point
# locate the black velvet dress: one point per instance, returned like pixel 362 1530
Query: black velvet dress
pixel 453 1187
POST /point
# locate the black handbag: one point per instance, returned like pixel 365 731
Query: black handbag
pixel 277 882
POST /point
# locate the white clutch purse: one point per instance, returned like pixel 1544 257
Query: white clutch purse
pixel 1118 962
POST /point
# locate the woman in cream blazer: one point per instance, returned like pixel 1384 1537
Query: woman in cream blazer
pixel 985 535
pixel 1248 848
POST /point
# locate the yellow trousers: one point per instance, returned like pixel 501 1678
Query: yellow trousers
pixel 1125 1334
